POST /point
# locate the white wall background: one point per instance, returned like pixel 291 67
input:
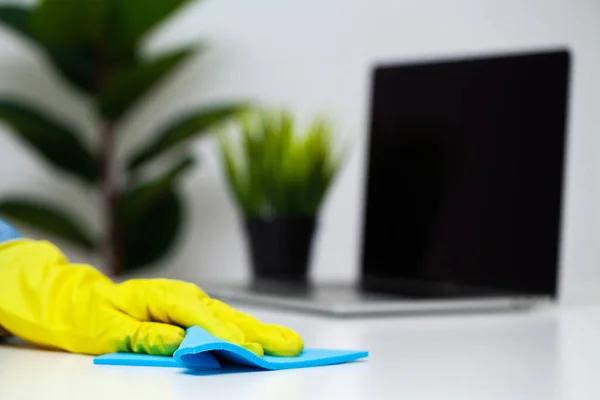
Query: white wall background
pixel 315 55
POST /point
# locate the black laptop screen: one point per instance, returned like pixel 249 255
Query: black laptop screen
pixel 465 174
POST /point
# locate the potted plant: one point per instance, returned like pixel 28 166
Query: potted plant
pixel 96 48
pixel 279 179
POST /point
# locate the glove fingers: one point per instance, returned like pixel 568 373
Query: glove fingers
pixel 151 338
pixel 177 303
pixel 194 312
pixel 152 299
pixel 276 340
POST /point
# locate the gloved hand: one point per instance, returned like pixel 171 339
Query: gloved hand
pixel 47 301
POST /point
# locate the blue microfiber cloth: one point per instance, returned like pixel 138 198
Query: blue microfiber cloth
pixel 203 351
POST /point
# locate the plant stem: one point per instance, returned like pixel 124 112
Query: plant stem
pixel 111 248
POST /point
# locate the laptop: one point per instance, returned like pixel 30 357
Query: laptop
pixel 463 191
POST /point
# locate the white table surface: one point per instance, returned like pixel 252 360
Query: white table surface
pixel 547 354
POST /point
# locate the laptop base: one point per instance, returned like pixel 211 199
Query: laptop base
pixel 348 301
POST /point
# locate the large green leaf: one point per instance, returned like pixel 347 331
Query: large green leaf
pixel 135 201
pixel 76 64
pixel 16 17
pixel 128 85
pixel 185 128
pixel 48 218
pixel 54 141
pixel 147 239
pixel 69 23
pixel 133 19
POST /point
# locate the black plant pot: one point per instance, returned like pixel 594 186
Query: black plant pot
pixel 280 248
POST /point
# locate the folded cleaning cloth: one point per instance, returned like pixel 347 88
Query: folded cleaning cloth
pixel 203 351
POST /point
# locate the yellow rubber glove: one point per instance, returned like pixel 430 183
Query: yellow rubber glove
pixel 47 301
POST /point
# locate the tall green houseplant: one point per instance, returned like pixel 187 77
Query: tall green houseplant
pixel 94 46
